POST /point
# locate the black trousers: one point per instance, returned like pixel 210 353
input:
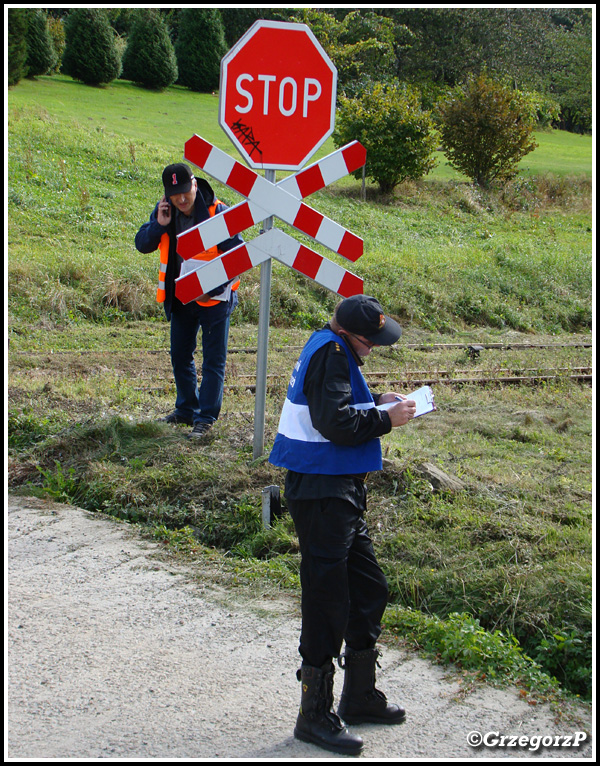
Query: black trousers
pixel 344 591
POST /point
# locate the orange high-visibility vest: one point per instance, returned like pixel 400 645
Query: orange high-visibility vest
pixel 206 255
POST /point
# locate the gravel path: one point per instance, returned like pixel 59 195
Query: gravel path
pixel 115 651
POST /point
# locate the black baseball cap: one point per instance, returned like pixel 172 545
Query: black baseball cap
pixel 177 179
pixel 363 315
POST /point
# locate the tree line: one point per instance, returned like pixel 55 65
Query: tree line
pixel 408 78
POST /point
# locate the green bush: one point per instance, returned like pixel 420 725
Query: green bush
pixel 41 56
pixel 199 48
pixel 149 57
pixel 361 46
pixel 91 53
pixel 486 129
pixel 568 657
pixel 17 45
pixel 397 134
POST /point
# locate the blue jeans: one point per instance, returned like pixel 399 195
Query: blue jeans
pixel 199 404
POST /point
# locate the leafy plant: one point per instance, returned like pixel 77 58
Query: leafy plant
pixel 486 129
pixel 398 135
pixel 63 485
pixel 568 656
pixel 361 45
pixel 26 429
pixel 460 639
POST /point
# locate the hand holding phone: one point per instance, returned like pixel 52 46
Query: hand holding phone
pixel 163 215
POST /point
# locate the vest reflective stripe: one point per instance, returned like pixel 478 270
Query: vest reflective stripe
pixel 163 249
pixel 299 446
pixel 206 255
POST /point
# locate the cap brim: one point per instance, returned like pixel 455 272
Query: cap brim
pixel 180 189
pixel 389 333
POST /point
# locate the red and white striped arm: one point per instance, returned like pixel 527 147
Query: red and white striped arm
pixel 310 263
pixel 210 274
pixel 272 244
pixel 264 199
pixel 326 171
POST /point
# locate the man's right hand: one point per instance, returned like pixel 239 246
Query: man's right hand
pixel 163 216
pixel 402 412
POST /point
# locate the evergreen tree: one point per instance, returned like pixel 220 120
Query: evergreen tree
pixel 237 21
pixel 571 80
pixel 41 55
pixel 91 53
pixel 17 44
pixel 150 57
pixel 199 48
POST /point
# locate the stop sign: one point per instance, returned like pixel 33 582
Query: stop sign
pixel 277 95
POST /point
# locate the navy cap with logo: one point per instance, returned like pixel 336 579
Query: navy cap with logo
pixel 363 315
pixel 177 179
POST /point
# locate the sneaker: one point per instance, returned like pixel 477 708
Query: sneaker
pixel 176 420
pixel 199 430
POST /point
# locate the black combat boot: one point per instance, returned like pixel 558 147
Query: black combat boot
pixel 317 723
pixel 361 702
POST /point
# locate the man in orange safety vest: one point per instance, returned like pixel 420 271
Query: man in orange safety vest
pixel 188 201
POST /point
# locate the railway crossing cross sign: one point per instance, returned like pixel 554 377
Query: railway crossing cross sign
pixel 264 200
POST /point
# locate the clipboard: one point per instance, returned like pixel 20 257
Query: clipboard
pixel 423 398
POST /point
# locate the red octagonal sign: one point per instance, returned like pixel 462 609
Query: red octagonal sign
pixel 277 97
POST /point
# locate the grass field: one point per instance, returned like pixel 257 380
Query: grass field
pixel 168 119
pixel 483 575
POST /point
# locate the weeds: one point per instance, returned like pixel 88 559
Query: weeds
pixel 460 639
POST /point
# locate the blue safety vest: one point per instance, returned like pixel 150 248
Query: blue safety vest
pixel 299 446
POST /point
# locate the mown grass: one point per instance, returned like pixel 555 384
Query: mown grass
pixel 506 559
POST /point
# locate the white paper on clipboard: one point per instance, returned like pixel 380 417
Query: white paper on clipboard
pixel 423 398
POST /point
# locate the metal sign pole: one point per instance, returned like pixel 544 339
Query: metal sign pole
pixel 264 311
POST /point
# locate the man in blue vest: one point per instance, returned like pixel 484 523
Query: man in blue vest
pixel 328 440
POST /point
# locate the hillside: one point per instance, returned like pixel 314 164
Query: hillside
pixel 509 270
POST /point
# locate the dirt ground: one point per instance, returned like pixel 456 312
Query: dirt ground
pixel 115 651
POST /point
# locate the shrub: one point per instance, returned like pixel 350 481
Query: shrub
pixel 396 132
pixel 361 46
pixel 150 57
pixel 17 44
pixel 486 129
pixel 41 56
pixel 199 48
pixel 91 53
pixel 56 28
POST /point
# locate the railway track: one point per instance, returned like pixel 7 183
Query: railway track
pixel 419 378
pixel 408 378
pixel 250 350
